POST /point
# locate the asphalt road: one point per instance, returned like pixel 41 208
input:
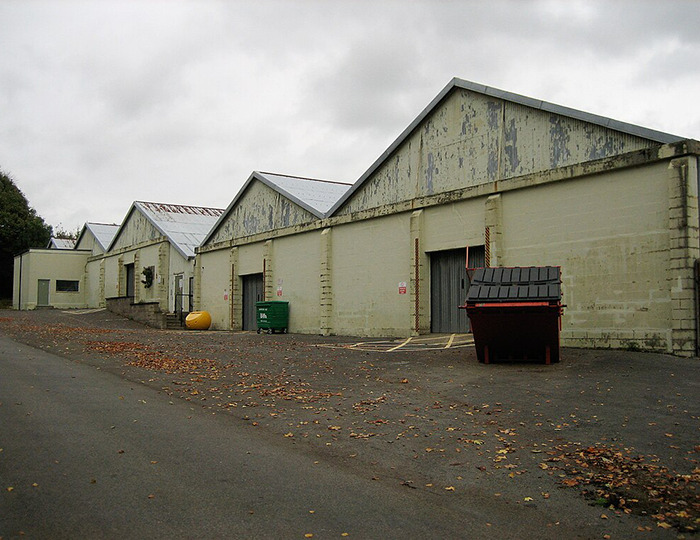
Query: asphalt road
pixel 89 455
pixel 86 454
pixel 92 448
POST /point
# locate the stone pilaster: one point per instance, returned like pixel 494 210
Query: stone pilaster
pixel 268 274
pixel 163 276
pixel 684 251
pixel 138 286
pixel 493 231
pixel 101 299
pixel 121 277
pixel 197 292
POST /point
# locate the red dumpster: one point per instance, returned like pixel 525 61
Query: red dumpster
pixel 515 313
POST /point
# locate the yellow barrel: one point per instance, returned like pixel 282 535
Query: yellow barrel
pixel 198 320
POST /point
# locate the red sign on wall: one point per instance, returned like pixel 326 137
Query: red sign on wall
pixel 402 287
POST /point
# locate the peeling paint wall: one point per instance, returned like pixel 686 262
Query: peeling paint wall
pixel 135 231
pixel 472 139
pixel 259 210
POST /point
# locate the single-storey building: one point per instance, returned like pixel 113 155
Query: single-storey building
pixel 480 177
pixel 229 281
pixel 142 268
pixel 58 275
pixel 148 267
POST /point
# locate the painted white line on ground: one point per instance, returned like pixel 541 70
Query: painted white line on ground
pixel 401 345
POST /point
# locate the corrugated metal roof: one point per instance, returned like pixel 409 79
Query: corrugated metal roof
pixel 184 226
pixel 624 127
pixel 103 232
pixel 519 284
pixel 61 243
pixel 318 195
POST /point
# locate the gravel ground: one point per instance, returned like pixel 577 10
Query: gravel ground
pixel 605 443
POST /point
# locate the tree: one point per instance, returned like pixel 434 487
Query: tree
pixel 60 232
pixel 20 229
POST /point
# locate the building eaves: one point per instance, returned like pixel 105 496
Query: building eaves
pixel 183 226
pixel 103 233
pixel 316 196
pixel 61 243
pixel 456 83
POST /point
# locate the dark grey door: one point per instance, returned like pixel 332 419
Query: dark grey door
pixel 130 280
pixel 178 293
pixel 252 293
pixel 449 283
pixel 448 290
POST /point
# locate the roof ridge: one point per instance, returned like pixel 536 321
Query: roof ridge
pixel 179 205
pixel 306 178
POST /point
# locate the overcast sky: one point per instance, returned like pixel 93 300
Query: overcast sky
pixel 105 102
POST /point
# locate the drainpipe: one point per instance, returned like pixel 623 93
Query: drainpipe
pixel 19 292
pixel 697 307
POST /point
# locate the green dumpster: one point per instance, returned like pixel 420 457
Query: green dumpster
pixel 271 316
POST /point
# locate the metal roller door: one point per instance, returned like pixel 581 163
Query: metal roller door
pixel 252 293
pixel 449 284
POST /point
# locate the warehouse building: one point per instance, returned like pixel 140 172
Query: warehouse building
pixel 148 269
pixel 142 269
pixel 480 177
pixel 59 276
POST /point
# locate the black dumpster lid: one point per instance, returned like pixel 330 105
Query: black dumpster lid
pixel 518 284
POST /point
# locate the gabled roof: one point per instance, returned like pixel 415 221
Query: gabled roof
pixel 61 243
pixel 316 196
pixel 103 233
pixel 184 226
pixel 454 84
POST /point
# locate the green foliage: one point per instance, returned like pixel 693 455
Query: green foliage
pixel 20 229
pixel 60 232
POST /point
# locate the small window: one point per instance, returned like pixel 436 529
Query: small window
pixel 63 285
